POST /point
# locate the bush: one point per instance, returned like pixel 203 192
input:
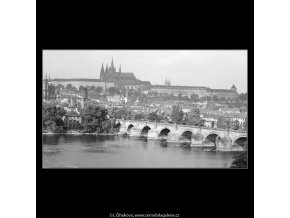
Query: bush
pixel 240 161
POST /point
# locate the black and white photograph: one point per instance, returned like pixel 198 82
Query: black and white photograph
pixel 145 109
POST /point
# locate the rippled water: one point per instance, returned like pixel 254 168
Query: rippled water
pixel 89 151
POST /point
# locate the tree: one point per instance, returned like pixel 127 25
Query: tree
pixel 119 113
pixel 99 89
pixel 201 122
pixel 204 98
pixel 179 97
pixel 193 118
pixel 69 86
pixel 221 123
pixel 228 123
pixel 81 88
pixel 139 116
pixel 59 87
pixel 215 98
pixel 113 90
pixel 241 160
pixel 152 117
pixel 194 97
pixel 177 114
pixel 52 118
pixel 95 119
pixel 243 97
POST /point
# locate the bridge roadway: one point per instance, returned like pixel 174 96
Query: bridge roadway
pixel 222 139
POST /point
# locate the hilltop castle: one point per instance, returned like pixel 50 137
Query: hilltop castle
pixel 110 77
pixel 122 79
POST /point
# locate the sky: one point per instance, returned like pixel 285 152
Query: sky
pixel 217 69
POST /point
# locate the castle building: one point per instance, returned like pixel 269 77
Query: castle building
pixel 168 89
pixel 122 79
pixel 109 77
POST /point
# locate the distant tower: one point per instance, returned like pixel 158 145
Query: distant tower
pixel 112 63
pixel 169 82
pixel 234 88
pixel 120 69
pixel 102 73
pixel 106 68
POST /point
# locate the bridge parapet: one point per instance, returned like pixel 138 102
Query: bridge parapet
pixel 173 125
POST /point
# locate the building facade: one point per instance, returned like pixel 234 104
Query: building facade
pixel 83 82
pixel 168 89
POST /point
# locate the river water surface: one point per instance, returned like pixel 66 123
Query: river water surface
pixel 91 151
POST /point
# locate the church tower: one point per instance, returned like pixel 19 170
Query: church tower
pixel 167 82
pixel 112 64
pixel 120 69
pixel 102 73
pixel 234 88
pixel 112 69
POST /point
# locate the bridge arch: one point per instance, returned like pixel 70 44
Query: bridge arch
pixel 145 130
pixel 130 127
pixel 241 141
pixel 117 126
pixel 185 137
pixel 164 132
pixel 211 139
pixel 187 134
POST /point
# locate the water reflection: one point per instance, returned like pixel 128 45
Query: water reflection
pixel 91 151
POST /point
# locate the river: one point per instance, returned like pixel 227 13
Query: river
pixel 91 151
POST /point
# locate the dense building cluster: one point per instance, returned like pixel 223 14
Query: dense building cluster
pixel 141 100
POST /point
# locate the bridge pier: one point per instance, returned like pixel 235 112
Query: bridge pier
pixel 224 144
pixel 196 139
pixel 173 137
pixel 153 134
pixel 123 129
pixel 135 132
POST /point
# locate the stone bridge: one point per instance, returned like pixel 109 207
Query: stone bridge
pixel 222 139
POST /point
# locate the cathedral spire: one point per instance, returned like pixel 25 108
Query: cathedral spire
pixel 102 69
pixel 112 64
pixel 120 69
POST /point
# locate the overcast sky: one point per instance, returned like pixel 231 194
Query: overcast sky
pixel 210 68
